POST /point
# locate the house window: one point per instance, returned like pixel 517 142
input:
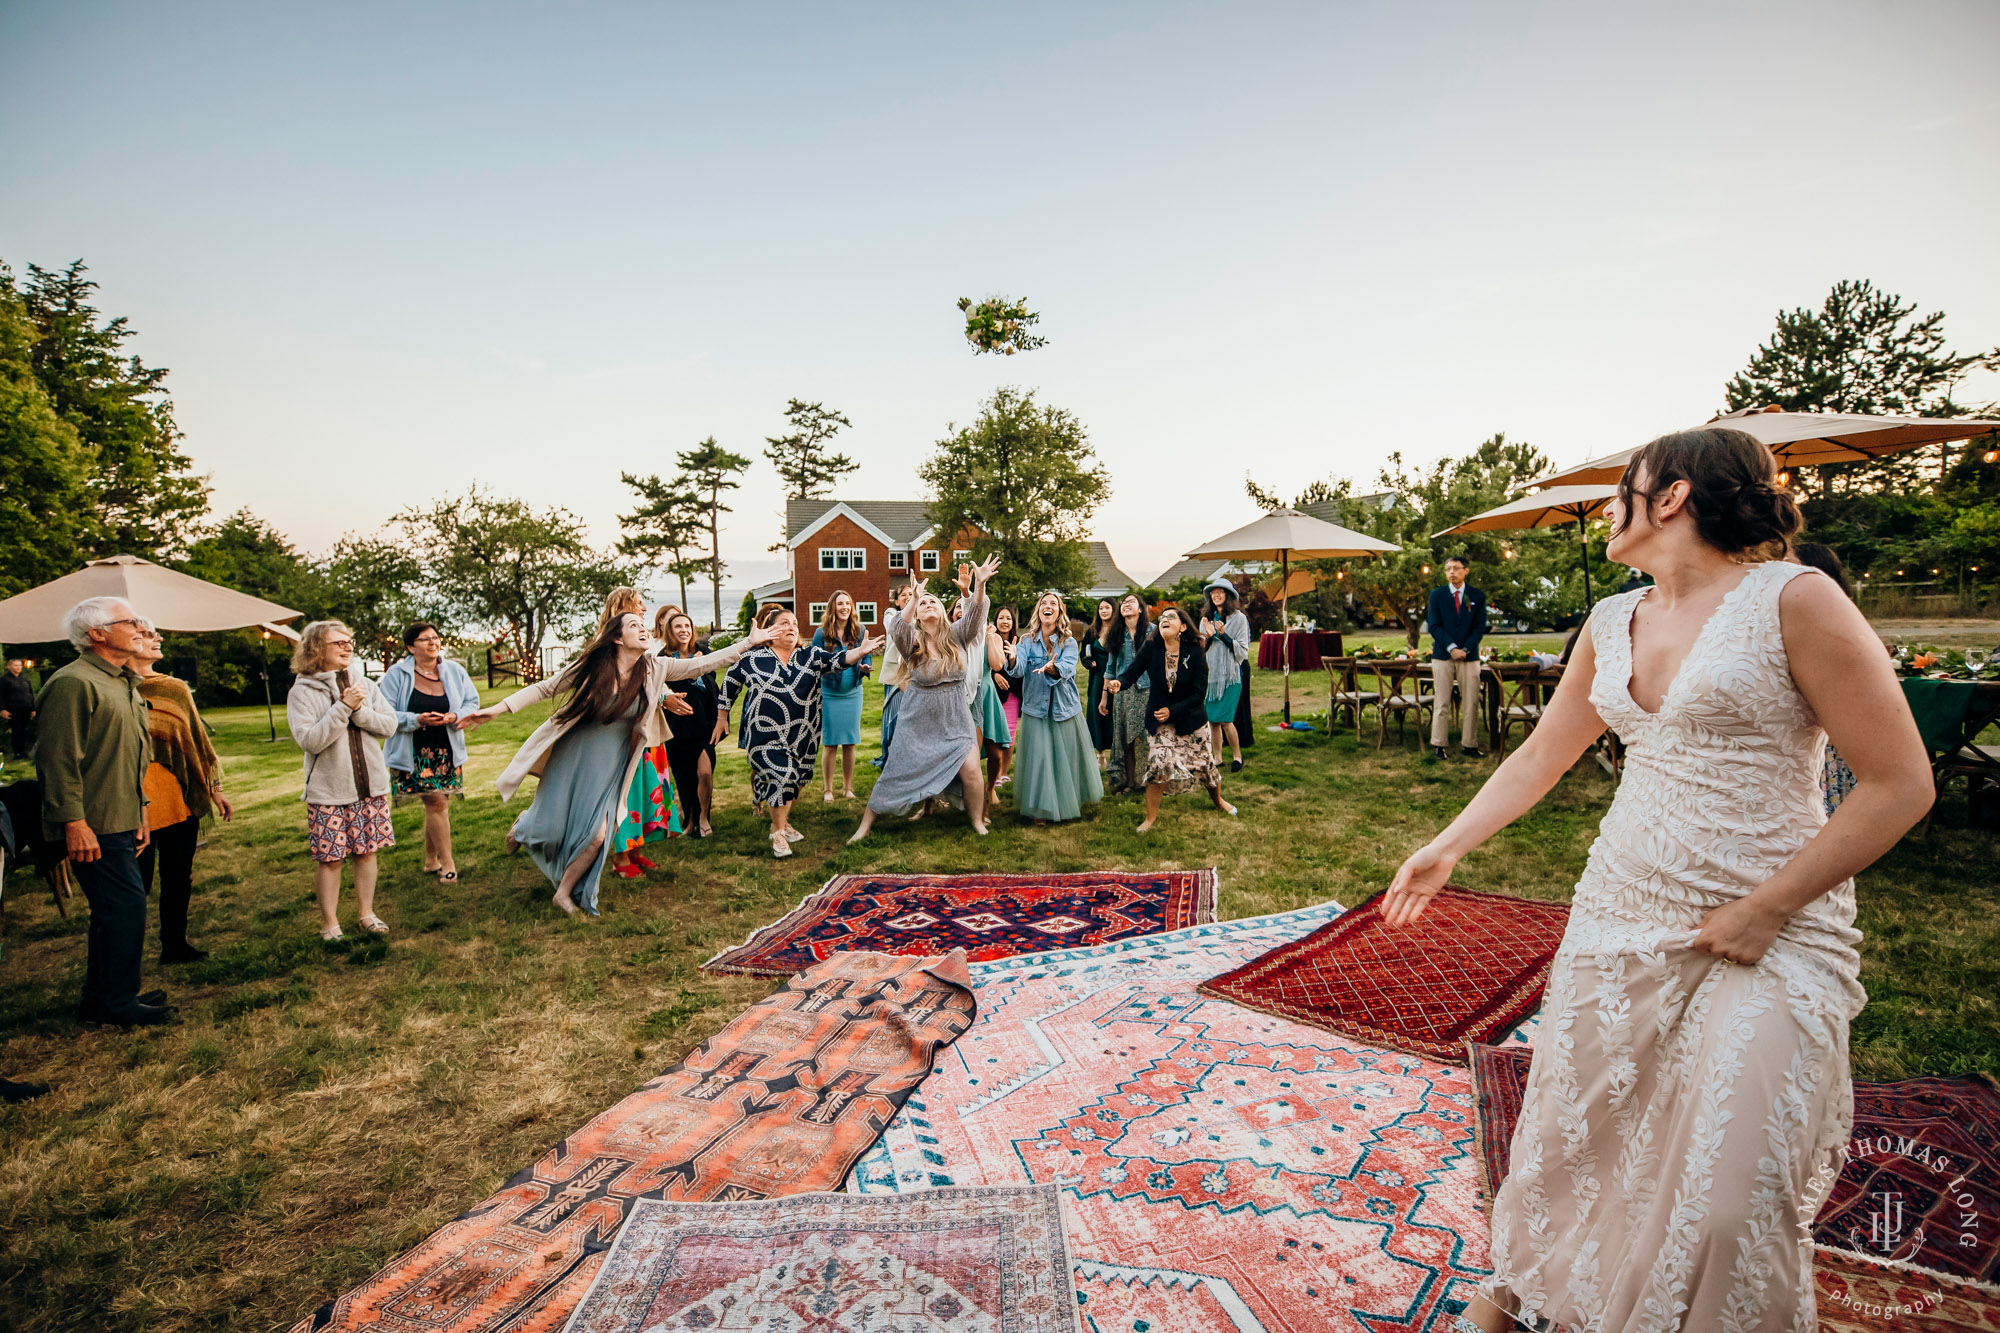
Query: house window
pixel 865 612
pixel 927 562
pixel 960 557
pixel 817 612
pixel 843 557
pixel 899 559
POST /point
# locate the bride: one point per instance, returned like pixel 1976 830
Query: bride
pixel 1690 1095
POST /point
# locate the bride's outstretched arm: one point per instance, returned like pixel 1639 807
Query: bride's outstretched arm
pixel 1568 727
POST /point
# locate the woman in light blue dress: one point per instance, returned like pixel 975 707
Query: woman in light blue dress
pixel 1055 761
pixel 840 692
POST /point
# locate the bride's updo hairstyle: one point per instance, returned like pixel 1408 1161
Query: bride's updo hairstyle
pixel 1733 492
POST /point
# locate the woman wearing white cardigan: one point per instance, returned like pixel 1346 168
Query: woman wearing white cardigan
pixel 339 718
pixel 585 755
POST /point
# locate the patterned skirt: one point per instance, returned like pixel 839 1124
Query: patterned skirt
pixel 649 814
pixel 434 774
pixel 336 832
pixel 1181 763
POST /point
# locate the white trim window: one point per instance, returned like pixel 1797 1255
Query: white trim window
pixel 816 612
pixel 843 557
pixel 899 559
pixel 961 557
pixel 927 562
pixel 865 612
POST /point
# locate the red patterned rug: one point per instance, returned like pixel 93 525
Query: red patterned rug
pixel 1223 1170
pixel 1470 969
pixel 1911 1231
pixel 988 916
pixel 781 1101
pixel 974 1259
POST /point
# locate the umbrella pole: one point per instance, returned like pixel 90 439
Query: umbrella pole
pixel 1583 544
pixel 270 718
pixel 1285 624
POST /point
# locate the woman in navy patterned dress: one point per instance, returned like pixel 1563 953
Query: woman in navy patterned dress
pixel 781 714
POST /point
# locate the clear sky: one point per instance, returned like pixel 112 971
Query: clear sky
pixel 387 250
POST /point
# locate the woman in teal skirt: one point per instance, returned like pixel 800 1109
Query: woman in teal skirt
pixel 840 692
pixel 1225 630
pixel 1055 761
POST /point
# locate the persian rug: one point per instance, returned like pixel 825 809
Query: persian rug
pixel 984 1258
pixel 1910 1230
pixel 1470 969
pixel 1224 1170
pixel 781 1101
pixel 988 916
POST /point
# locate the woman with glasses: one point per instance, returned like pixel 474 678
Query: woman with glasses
pixel 340 719
pixel 183 784
pixel 426 756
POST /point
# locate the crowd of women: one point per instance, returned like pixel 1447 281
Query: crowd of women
pixel 974 700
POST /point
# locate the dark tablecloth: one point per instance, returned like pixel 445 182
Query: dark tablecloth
pixel 1308 647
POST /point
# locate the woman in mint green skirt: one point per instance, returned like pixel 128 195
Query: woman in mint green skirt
pixel 1055 760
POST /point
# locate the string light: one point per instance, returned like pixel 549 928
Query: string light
pixel 1785 477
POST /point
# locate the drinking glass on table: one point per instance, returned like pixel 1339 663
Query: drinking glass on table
pixel 1976 659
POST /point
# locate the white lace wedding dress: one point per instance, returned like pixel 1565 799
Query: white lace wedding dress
pixel 1684 1116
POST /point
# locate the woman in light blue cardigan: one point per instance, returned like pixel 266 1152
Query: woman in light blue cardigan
pixel 426 755
pixel 1055 760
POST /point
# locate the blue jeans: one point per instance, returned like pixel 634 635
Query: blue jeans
pixel 117 898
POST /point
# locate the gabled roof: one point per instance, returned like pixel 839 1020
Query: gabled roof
pixel 1202 567
pixel 895 523
pixel 1107 580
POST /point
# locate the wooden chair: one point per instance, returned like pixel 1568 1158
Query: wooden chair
pixel 1344 692
pixel 1523 700
pixel 1400 689
pixel 1979 766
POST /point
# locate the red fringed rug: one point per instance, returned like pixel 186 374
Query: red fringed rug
pixel 988 916
pixel 1470 969
pixel 782 1101
pixel 1907 1239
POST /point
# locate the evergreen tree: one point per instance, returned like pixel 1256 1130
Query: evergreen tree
pixel 148 500
pixel 666 529
pixel 47 513
pixel 1862 351
pixel 1021 480
pixel 801 457
pixel 709 470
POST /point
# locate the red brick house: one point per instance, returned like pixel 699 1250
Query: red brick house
pixel 866 546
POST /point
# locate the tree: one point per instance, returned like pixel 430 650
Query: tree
pixel 709 469
pixel 501 564
pixel 46 508
pixel 1021 480
pixel 377 587
pixel 666 529
pixel 146 497
pixel 998 324
pixel 801 457
pixel 245 553
pixel 1863 351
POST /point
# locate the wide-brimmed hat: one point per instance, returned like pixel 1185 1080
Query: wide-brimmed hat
pixel 1220 582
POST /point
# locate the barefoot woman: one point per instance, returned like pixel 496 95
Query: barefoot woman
pixel 1689 1098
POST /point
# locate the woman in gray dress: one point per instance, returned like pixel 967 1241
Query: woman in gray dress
pixel 937 748
pixel 587 753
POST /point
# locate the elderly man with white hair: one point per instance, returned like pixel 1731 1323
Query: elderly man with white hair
pixel 92 752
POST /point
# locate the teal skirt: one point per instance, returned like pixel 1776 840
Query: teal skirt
pixel 991 715
pixel 840 716
pixel 1224 709
pixel 1055 769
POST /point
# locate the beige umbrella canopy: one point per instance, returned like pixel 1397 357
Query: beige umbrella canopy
pixel 1546 509
pixel 170 599
pixel 1803 439
pixel 1279 536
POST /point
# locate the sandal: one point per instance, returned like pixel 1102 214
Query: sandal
pixel 374 925
pixel 447 876
pixel 642 862
pixel 827 797
pixel 627 872
pixel 331 933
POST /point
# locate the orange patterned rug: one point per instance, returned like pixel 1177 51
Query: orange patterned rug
pixel 781 1101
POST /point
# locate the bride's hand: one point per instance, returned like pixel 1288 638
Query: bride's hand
pixel 1741 932
pixel 986 569
pixel 1416 884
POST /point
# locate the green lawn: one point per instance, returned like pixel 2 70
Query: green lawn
pixel 320 1109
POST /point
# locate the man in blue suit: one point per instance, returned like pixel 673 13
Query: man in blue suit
pixel 1457 619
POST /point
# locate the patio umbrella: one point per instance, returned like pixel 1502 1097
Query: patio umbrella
pixel 1803 439
pixel 1279 536
pixel 1546 509
pixel 170 599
